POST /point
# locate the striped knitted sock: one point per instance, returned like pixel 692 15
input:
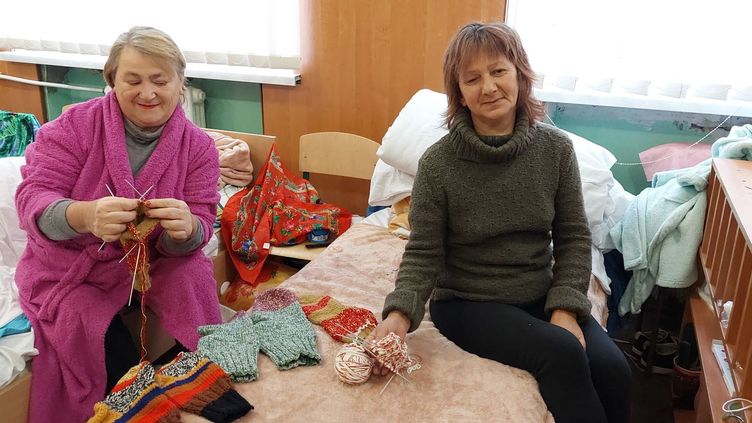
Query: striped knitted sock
pixel 198 385
pixel 337 319
pixel 136 398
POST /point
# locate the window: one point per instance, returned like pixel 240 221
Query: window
pixel 671 54
pixel 242 33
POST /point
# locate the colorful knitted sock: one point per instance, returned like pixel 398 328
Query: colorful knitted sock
pixel 287 338
pixel 338 320
pixel 136 398
pixel 199 386
pixel 233 345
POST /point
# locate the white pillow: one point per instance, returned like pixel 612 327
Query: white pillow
pixel 389 185
pixel 419 125
pixel 591 154
pixel 12 238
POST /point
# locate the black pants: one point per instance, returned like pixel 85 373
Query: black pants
pixel 577 385
pixel 121 352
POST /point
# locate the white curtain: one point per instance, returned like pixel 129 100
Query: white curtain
pixel 258 33
pixel 671 48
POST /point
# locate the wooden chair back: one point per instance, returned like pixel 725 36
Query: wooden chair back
pixel 338 154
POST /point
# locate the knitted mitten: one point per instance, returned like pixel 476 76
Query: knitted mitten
pixel 200 386
pixel 338 320
pixel 287 338
pixel 136 398
pixel 233 345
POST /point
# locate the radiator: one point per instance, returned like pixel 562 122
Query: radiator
pixel 193 105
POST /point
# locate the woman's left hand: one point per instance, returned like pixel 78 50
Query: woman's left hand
pixel 174 216
pixel 568 320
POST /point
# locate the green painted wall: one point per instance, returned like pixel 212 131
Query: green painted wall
pixel 627 132
pixel 56 98
pixel 234 106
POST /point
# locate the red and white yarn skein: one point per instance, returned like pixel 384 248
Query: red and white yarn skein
pixel 353 365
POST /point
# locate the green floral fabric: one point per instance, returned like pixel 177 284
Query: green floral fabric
pixel 17 131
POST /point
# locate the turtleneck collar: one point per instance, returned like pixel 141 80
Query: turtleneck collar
pixel 488 149
pixel 140 135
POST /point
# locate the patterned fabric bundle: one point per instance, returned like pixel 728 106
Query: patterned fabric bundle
pixel 17 131
pixel 190 382
pixel 338 320
pixel 277 327
pixel 280 208
pixel 134 243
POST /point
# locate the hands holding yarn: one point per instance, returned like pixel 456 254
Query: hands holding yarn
pixel 174 216
pixel 382 352
pixel 395 322
pixel 105 218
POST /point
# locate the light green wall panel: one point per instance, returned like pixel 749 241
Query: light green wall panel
pixel 56 98
pixel 627 132
pixel 234 106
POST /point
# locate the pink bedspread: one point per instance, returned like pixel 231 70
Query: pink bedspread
pixel 359 269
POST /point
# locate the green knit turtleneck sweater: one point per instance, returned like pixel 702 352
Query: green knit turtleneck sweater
pixel 484 212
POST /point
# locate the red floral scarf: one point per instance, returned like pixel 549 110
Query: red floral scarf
pixel 280 209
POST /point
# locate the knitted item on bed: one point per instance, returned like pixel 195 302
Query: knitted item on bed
pixel 341 322
pixel 199 386
pixel 233 345
pixel 136 398
pixel 287 337
pixel 134 244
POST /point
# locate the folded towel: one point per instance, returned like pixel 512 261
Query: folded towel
pixel 234 160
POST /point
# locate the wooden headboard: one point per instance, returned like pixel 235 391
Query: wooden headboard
pixel 726 261
pixel 260 145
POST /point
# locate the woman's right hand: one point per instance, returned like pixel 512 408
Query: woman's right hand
pixel 395 322
pixel 105 218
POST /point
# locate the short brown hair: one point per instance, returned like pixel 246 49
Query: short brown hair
pixel 490 38
pixel 149 41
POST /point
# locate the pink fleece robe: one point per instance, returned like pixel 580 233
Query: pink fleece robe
pixel 68 289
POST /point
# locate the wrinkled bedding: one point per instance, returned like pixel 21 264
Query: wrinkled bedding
pixel 359 269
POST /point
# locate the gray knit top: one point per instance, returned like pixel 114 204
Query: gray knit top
pixel 483 215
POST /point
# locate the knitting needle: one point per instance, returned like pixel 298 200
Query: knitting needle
pixel 128 253
pixel 387 383
pixel 135 272
pixel 145 192
pixel 134 188
pixel 111 194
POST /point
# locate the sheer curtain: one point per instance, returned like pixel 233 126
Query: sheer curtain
pixel 655 48
pixel 257 33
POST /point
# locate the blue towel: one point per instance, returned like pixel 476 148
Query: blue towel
pixel 737 145
pixel 18 325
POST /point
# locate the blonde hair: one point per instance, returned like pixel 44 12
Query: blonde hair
pixel 149 41
pixel 490 38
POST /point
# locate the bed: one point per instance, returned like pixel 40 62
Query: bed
pixel 359 269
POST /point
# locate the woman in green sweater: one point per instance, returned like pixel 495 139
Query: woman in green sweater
pixel 488 200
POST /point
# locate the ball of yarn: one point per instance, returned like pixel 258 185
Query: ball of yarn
pixel 353 365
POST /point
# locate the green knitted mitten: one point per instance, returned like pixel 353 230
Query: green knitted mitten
pixel 233 345
pixel 287 336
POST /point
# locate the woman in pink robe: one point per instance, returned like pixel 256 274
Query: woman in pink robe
pixel 70 289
